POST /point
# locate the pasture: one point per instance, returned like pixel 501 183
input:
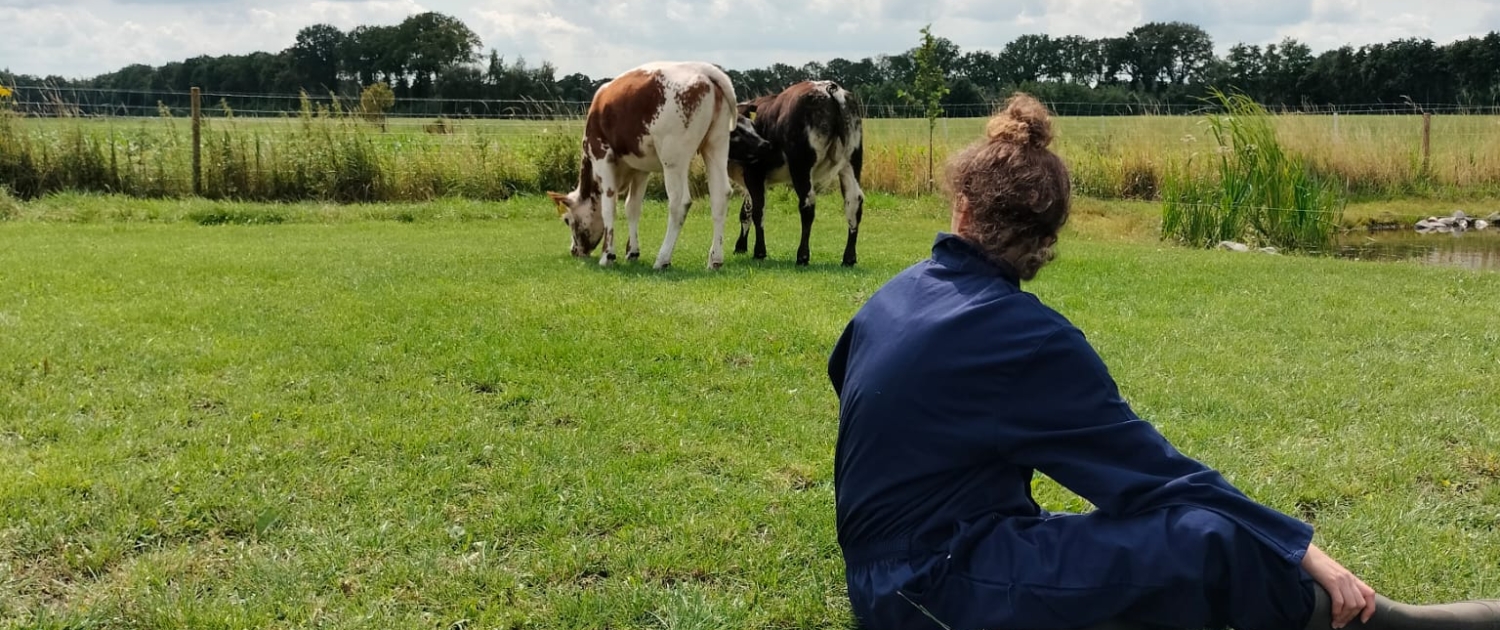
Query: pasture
pixel 334 156
pixel 226 415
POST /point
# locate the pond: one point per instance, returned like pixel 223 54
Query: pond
pixel 1471 249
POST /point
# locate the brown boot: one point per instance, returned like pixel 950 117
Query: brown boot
pixel 1392 615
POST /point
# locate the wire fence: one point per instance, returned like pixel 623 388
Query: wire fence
pixel 279 146
pixel 66 102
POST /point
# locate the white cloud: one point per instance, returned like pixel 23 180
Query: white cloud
pixel 602 37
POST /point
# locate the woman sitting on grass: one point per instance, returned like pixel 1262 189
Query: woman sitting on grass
pixel 955 385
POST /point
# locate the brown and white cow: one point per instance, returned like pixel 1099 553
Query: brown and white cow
pixel 652 118
pixel 817 135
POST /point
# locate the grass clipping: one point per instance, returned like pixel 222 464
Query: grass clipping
pixel 1258 192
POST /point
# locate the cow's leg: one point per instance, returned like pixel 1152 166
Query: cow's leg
pixel 637 183
pixel 854 203
pixel 756 197
pixel 716 168
pixel 743 244
pixel 679 200
pixel 609 183
pixel 801 172
pixel 752 211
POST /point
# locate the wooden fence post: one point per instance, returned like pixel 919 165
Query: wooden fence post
pixel 197 142
pixel 1426 140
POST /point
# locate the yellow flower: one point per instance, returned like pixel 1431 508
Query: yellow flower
pixel 4 91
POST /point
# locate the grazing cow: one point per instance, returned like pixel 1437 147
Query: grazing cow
pixel 817 135
pixel 652 118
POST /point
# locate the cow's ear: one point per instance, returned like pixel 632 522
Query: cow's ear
pixel 561 201
pixel 747 110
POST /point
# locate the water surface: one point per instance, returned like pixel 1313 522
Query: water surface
pixel 1472 249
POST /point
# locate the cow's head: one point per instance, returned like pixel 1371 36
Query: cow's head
pixel 581 213
pixel 746 145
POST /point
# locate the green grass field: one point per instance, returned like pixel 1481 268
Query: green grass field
pixel 1372 157
pixel 430 416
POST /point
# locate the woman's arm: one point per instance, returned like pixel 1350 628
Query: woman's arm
pixel 1066 419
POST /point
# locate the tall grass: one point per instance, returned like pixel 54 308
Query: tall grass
pixel 9 208
pixel 331 154
pixel 1256 191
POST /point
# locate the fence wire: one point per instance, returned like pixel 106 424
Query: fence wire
pixel 50 101
pixel 291 146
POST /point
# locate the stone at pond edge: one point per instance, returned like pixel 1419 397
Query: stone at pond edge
pixel 1458 222
pixel 1243 248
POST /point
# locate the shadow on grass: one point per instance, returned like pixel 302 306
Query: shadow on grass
pixel 686 269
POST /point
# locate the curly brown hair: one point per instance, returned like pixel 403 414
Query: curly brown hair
pixel 1016 190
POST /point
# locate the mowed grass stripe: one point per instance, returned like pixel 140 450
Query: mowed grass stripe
pixel 454 422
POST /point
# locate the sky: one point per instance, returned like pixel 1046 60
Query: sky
pixel 81 38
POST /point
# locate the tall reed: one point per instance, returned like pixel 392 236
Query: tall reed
pixel 1256 190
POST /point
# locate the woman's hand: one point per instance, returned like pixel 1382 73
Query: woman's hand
pixel 1351 596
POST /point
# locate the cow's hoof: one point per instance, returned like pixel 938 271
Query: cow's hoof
pixel 760 255
pixel 715 266
pixel 663 266
pixel 633 256
pixel 802 262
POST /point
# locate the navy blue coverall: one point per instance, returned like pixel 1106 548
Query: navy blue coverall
pixel 954 387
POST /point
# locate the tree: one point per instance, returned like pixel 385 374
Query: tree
pixel 1031 58
pixel 429 43
pixel 1078 59
pixel 1174 53
pixel 374 53
pixel 432 54
pixel 983 68
pixel 1335 77
pixel 929 88
pixel 1286 67
pixel 577 87
pixel 316 56
pixel 1118 54
pixel 1246 69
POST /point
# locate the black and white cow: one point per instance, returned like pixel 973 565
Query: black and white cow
pixel 816 135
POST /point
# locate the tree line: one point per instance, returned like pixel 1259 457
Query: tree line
pixel 435 65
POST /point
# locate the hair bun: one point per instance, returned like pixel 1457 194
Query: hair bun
pixel 1024 121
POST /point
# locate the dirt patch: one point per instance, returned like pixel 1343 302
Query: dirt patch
pixel 590 577
pixel 484 387
pixel 670 577
pixel 795 478
pixel 1481 465
pixel 1309 509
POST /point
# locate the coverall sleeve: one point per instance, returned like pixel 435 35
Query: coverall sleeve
pixel 838 360
pixel 1066 419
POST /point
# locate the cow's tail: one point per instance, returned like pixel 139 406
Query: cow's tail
pixel 845 119
pixel 724 97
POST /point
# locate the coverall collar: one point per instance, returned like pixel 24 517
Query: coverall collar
pixel 952 251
